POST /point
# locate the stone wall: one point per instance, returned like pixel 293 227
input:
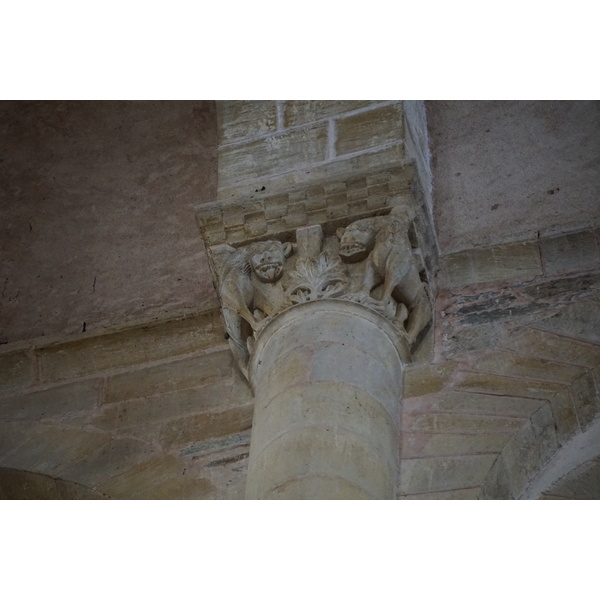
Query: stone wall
pixel 96 225
pixel 147 412
pixel 267 147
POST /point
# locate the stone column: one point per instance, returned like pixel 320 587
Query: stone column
pixel 327 378
pixel 324 295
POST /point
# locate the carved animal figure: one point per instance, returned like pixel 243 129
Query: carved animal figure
pixel 243 274
pixel 384 243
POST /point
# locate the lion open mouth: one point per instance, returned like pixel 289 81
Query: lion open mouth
pixel 351 248
pixel 269 271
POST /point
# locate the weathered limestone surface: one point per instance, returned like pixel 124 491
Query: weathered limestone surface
pixel 95 207
pixel 272 146
pixel 327 408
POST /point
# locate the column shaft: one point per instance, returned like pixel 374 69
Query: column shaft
pixel 327 379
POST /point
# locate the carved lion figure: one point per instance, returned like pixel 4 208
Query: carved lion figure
pixel 383 242
pixel 245 274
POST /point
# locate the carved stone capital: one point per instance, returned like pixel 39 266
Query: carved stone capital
pixel 370 259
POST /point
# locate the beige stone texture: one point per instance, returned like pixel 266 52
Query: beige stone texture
pixel 520 262
pixel 453 401
pixel 12 435
pixel 57 402
pixel 77 455
pixel 318 487
pixel 420 380
pixel 369 129
pixel 315 451
pixel 281 181
pixel 506 170
pixel 178 375
pixel 570 253
pixel 551 346
pixel 515 365
pixel 462 494
pixel 424 475
pixel 327 405
pixel 459 423
pixel 416 445
pixel 17 371
pixel 23 485
pixel 159 478
pixel 96 214
pixel 497 484
pixel 580 320
pixel 544 429
pixel 146 417
pixel 300 112
pixel 565 415
pixel 508 386
pixel 315 419
pixel 586 399
pixel 281 152
pixel 196 427
pixel 129 347
pixel 240 120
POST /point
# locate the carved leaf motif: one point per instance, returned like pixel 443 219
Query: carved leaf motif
pixel 315 279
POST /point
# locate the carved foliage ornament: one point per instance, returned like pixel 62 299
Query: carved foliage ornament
pixel 370 262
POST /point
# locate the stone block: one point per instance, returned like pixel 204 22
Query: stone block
pixel 551 346
pixel 525 444
pixel 159 478
pixel 507 386
pixel 58 402
pixel 496 485
pixel 424 475
pixel 144 417
pixel 50 450
pixel 585 399
pixel 177 375
pixel 462 494
pixel 130 347
pixel 279 181
pixel 519 262
pixel 460 423
pixel 416 445
pixel 515 365
pixel 300 112
pixel 314 451
pixel 544 429
pixel 426 379
pixel 490 404
pixel 515 473
pixel 17 371
pixel 569 253
pixel 564 415
pixel 241 120
pixel 580 320
pixel 194 428
pixel 332 406
pixel 317 487
pixel 12 435
pixel 369 129
pixel 104 460
pixel 276 154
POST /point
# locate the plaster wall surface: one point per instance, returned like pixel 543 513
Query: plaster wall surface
pixel 504 171
pixel 96 224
